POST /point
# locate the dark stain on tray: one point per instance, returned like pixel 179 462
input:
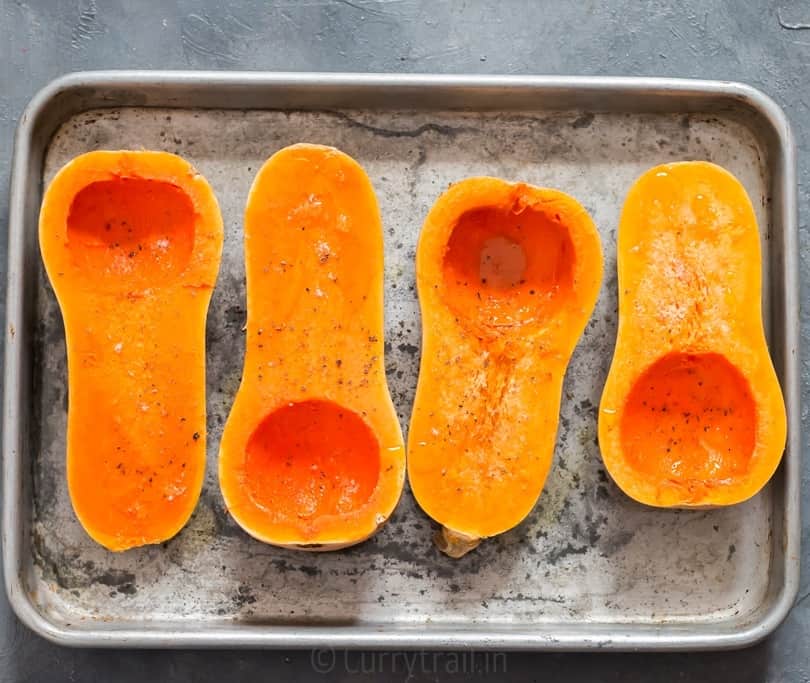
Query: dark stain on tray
pixel 448 131
pixel 611 545
pixel 243 596
pixel 72 573
pixel 235 317
pixel 223 522
pixel 410 349
pixel 568 549
pixel 583 121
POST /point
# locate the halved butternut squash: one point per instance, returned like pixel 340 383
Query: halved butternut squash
pixel 312 454
pixel 131 243
pixel 691 414
pixel 507 276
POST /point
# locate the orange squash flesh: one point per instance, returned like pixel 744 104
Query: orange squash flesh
pixel 692 414
pixel 131 243
pixel 507 275
pixel 312 454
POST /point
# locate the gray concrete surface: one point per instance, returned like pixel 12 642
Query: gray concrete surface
pixel 766 45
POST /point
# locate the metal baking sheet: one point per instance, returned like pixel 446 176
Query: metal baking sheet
pixel 588 568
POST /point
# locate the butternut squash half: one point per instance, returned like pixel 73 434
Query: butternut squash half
pixel 507 276
pixel 691 414
pixel 312 454
pixel 131 243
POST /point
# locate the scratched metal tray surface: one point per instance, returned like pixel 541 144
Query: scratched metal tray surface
pixel 589 567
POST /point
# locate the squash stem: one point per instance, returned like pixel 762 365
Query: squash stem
pixel 453 543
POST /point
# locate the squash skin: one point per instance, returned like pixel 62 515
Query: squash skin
pixel 135 336
pixel 494 354
pixel 314 264
pixel 690 287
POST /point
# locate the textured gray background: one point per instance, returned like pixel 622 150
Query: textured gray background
pixel 766 45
